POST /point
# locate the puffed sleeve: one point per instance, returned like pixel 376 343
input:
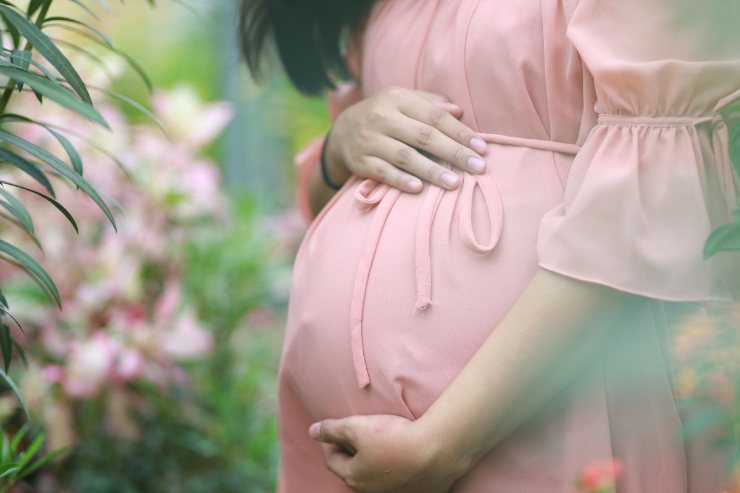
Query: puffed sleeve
pixel 345 95
pixel 654 176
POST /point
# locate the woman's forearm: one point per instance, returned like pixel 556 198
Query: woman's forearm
pixel 319 192
pixel 556 327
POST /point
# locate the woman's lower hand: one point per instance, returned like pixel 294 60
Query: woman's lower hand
pixel 394 136
pixel 386 454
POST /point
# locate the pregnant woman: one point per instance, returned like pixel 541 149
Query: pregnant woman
pixel 485 304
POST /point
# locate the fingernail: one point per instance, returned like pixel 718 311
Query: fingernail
pixel 478 145
pixel 414 184
pixel 476 164
pixel 449 179
pixel 314 430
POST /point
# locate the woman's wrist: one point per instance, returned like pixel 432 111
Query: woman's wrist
pixel 334 172
pixel 445 446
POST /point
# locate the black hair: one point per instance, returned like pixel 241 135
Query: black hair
pixel 308 35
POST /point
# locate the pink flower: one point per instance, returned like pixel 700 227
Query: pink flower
pixel 129 364
pixel 187 118
pixel 52 373
pixel 187 340
pixel 89 364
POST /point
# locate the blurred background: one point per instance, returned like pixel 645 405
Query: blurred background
pixel 158 372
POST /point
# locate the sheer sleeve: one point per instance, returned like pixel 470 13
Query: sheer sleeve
pixel 654 176
pixel 345 95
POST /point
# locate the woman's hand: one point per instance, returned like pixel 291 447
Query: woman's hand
pixel 394 136
pixel 386 454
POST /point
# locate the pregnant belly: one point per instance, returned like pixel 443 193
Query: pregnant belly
pixel 393 293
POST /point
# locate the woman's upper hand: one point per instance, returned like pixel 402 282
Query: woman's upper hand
pixel 394 136
pixel 386 454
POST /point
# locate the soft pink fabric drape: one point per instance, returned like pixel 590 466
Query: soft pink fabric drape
pixel 607 161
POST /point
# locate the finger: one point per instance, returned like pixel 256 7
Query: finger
pixel 401 155
pixel 381 170
pixel 435 116
pixel 337 460
pixel 435 142
pixel 452 108
pixel 441 101
pixel 337 431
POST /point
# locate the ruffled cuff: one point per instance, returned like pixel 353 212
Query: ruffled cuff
pixel 642 196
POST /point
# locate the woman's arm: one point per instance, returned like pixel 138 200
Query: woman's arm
pixel 319 193
pixel 554 331
pixel 556 328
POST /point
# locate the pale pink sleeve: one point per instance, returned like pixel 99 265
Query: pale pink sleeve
pixel 654 176
pixel 345 95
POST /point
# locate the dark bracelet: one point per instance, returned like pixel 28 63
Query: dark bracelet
pixel 322 162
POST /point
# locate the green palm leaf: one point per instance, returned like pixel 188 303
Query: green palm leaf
pixel 53 91
pixel 30 265
pixel 47 49
pixel 61 168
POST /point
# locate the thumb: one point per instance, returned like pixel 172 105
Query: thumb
pixel 337 431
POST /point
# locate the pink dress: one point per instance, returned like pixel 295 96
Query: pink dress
pixel 607 162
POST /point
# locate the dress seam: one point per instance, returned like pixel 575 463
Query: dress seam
pixel 465 64
pixel 545 64
pixel 423 50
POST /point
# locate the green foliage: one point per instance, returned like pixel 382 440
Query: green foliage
pixel 218 433
pixel 36 61
pixel 727 236
pixel 17 463
pixel 33 61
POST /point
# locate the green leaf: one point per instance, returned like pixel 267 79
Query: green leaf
pixel 51 200
pixel 95 146
pixel 15 36
pixel 54 91
pixel 724 238
pixel 22 60
pixel 3 301
pixel 44 460
pixel 74 156
pixel 19 350
pixel 89 54
pixel 32 267
pixel 31 169
pixel 87 9
pixel 31 451
pixel 59 21
pixel 17 209
pixel 134 105
pixel 34 5
pixel 6 345
pixel 63 169
pixel 15 442
pixel 17 392
pixel 9 470
pixel 47 49
pixel 105 42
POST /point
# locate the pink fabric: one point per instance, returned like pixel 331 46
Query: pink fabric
pixel 345 95
pixel 607 162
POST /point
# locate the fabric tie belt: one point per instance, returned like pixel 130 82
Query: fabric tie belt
pixel 371 194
